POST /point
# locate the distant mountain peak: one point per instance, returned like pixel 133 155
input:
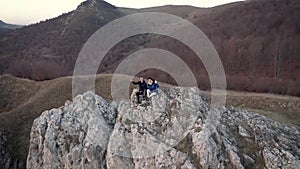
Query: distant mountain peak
pixel 99 3
pixel 4 25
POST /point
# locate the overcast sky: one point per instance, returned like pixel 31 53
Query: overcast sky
pixel 31 11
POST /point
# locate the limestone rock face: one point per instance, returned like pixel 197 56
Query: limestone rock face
pixel 73 136
pixel 174 129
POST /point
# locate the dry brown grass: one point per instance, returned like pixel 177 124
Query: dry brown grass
pixel 282 108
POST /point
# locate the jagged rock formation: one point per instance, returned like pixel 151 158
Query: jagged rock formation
pixel 175 130
pixel 5 158
pixel 73 136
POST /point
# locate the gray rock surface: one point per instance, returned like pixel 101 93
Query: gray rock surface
pixel 175 129
pixel 5 159
pixel 73 136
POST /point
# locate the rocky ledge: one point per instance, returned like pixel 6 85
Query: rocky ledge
pixel 175 130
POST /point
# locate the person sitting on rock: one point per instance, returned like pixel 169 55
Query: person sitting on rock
pixel 152 87
pixel 141 91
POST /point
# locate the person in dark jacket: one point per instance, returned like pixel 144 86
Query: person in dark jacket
pixel 142 88
pixel 152 87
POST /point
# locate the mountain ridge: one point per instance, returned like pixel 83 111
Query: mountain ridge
pixel 252 52
pixel 4 27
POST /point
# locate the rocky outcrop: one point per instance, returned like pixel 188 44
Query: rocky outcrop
pixel 175 129
pixel 73 136
pixel 5 158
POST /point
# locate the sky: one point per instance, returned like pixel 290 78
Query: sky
pixel 25 12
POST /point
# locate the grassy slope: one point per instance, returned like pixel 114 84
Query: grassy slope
pixel 285 109
pixel 23 100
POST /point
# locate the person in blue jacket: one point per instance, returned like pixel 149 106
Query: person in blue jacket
pixel 152 87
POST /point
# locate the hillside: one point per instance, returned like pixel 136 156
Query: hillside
pixel 4 27
pixel 9 26
pixel 23 100
pixel 257 41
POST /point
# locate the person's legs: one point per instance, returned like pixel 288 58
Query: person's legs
pixel 133 94
pixel 138 96
pixel 144 94
pixel 152 94
pixel 148 93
